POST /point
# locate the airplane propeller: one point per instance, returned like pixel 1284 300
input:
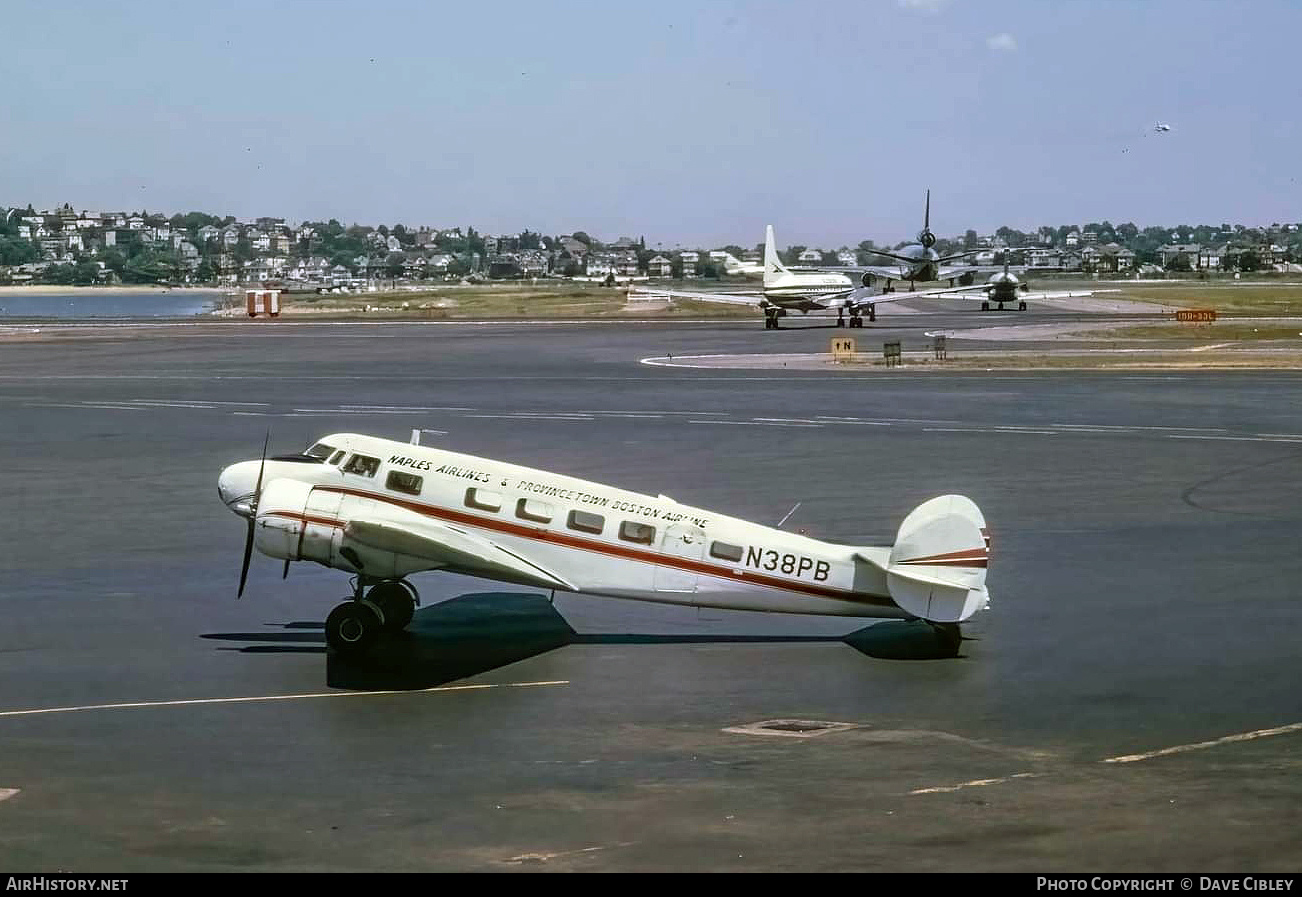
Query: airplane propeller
pixel 253 520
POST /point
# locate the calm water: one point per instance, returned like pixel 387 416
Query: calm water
pixel 124 304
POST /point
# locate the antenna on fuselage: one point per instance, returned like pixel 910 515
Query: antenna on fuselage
pixel 787 516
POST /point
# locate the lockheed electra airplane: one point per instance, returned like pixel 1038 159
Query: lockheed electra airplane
pixel 384 510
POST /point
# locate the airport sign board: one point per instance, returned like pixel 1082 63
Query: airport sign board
pixel 1196 315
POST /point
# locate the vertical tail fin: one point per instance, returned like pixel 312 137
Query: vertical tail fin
pixel 937 568
pixel 773 267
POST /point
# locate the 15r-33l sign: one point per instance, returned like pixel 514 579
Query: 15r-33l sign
pixel 1196 315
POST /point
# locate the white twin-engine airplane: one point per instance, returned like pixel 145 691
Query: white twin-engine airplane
pixel 384 510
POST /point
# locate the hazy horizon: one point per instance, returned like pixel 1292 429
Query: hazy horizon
pixel 685 124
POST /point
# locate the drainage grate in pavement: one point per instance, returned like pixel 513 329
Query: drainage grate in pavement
pixel 791 728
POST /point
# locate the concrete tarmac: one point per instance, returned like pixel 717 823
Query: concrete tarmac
pixel 1129 702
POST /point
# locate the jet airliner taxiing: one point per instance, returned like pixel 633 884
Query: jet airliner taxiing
pixel 916 262
pixel 384 510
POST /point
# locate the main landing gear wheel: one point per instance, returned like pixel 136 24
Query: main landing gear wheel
pixel 353 626
pixel 1021 306
pixel 985 306
pixel 856 321
pixel 396 599
pixel 872 313
pixel 1001 306
pixel 771 319
pixel 840 318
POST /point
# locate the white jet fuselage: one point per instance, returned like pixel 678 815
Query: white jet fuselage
pixel 517 524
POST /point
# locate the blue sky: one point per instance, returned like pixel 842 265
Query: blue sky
pixel 685 122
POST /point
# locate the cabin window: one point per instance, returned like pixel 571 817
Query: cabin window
pixel 725 552
pixel 530 509
pixel 585 522
pixel 337 457
pixel 320 450
pixel 483 500
pixel 400 481
pixel 362 465
pixel 637 532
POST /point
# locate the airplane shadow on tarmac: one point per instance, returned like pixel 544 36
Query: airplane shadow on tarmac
pixel 476 633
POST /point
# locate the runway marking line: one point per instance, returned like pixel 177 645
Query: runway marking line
pixel 1233 438
pixel 1001 432
pixel 192 702
pixel 977 783
pixel 1201 745
pixel 544 857
pixel 754 423
pixel 1128 758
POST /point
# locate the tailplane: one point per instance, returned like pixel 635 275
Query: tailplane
pixel 936 569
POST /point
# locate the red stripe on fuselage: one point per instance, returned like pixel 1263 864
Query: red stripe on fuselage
pixel 581 544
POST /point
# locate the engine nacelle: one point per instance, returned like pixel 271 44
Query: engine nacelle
pixel 278 527
pixel 869 279
pixel 298 522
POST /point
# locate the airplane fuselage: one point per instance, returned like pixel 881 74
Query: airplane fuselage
pixel 796 290
pixel 552 529
pixel 1003 288
pixel 924 266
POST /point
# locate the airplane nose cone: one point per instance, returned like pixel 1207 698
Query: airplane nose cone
pixel 235 486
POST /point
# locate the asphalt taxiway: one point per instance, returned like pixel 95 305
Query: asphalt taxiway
pixel 1128 703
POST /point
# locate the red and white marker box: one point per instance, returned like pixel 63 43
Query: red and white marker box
pixel 262 302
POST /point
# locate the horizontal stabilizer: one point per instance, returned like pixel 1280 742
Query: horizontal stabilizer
pixel 937 568
pixel 451 547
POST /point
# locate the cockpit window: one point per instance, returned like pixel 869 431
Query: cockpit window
pixel 320 450
pixel 362 465
pixel 337 457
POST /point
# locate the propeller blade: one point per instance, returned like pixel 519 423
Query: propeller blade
pixel 926 220
pixel 257 490
pixel 248 555
pixel 253 518
pixel 285 573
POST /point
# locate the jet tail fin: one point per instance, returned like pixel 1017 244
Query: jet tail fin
pixel 937 568
pixel 773 266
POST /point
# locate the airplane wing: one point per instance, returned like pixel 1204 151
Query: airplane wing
pixel 974 293
pixel 450 546
pixel 947 273
pixel 753 299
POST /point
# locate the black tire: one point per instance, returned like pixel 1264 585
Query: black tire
pixel 1021 306
pixel 353 626
pixel 872 315
pixel 396 601
pixel 985 306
